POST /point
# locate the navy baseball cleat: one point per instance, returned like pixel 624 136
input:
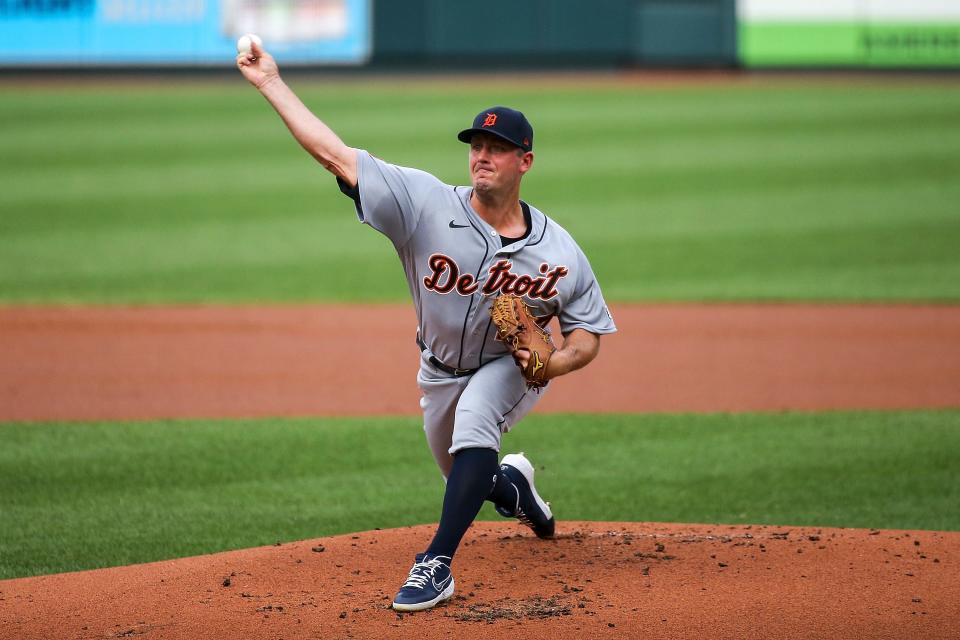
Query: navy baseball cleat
pixel 530 509
pixel 430 582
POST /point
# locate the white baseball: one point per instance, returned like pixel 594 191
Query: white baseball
pixel 243 44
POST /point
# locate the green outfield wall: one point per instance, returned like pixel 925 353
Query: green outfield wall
pixel 498 33
pixel 650 33
pixel 862 45
pixel 859 45
pixel 488 36
pixel 849 33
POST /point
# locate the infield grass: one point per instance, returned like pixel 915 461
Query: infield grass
pixel 79 496
pixel 763 190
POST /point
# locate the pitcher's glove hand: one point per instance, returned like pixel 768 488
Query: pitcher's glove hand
pixel 518 328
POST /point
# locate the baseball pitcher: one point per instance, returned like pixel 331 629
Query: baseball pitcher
pixel 486 271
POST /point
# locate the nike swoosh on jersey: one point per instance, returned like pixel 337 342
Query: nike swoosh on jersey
pixel 458 226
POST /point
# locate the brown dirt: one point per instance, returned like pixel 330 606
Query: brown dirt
pixel 95 363
pixel 596 579
pixel 609 580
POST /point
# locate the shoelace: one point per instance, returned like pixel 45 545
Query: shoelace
pixel 518 512
pixel 420 572
pixel 523 518
pixel 520 515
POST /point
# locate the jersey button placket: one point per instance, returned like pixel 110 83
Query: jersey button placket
pixel 476 332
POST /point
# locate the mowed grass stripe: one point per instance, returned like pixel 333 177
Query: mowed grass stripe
pixel 79 496
pixel 760 190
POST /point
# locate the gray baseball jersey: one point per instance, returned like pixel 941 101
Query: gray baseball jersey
pixel 455 263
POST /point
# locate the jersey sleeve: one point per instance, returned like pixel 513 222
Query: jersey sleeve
pixel 586 308
pixel 389 198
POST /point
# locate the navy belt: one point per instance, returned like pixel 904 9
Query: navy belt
pixel 459 373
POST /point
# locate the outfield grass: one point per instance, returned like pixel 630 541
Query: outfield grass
pixel 78 496
pixel 754 191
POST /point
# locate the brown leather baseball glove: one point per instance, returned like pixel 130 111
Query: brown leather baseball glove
pixel 518 328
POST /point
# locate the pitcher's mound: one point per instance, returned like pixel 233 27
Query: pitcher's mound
pixel 594 579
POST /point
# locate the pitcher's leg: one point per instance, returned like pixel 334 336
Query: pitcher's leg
pixel 471 480
pixel 495 396
pixel 440 395
pixel 477 410
pixel 495 399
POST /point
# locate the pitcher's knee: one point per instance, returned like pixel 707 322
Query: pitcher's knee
pixel 473 429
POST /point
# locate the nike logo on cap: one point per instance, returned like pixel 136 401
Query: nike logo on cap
pixel 458 226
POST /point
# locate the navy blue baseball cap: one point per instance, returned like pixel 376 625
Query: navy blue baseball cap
pixel 503 122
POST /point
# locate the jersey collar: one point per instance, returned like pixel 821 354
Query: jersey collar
pixel 538 223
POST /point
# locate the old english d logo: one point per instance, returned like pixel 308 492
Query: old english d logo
pixel 491 120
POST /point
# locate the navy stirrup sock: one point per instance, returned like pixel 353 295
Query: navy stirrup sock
pixel 504 494
pixel 471 481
